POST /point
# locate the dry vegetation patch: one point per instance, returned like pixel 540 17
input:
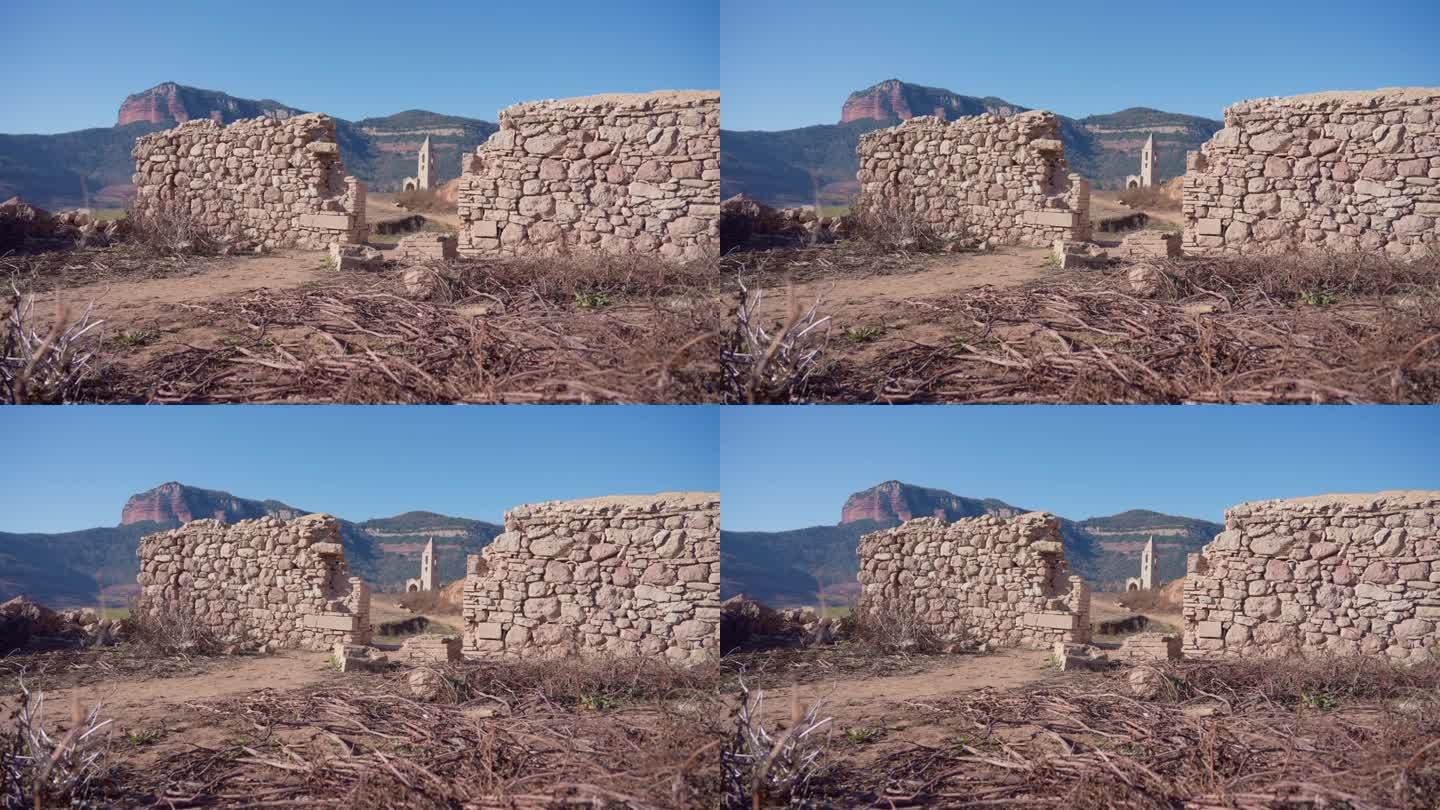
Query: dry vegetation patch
pixel 583 328
pixel 1344 732
pixel 1328 328
pixel 601 732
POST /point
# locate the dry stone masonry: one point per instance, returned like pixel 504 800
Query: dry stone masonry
pixel 1335 573
pixel 271 182
pixel 622 173
pixel 984 178
pixel 624 575
pixel 999 581
pixel 282 583
pixel 1342 171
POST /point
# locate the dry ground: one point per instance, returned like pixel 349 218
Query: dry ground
pixel 286 328
pixel 288 730
pixel 849 323
pixel 1007 730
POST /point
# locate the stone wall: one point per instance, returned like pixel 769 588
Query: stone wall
pixel 1002 581
pixel 980 179
pixel 264 181
pixel 284 583
pixel 618 173
pixel 627 575
pixel 1342 171
pixel 1333 573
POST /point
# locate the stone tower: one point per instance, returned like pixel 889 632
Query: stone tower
pixel 1146 177
pixel 1146 580
pixel 425 171
pixel 428 579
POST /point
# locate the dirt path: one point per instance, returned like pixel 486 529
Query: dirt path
pixel 872 316
pixel 152 714
pixel 126 301
pixel 896 709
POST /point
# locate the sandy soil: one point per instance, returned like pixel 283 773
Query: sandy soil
pixel 897 705
pixel 898 304
pixel 140 705
pixel 162 309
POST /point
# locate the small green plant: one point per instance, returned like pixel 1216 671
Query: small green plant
pixel 137 337
pixel 1052 662
pixel 1052 262
pixel 1319 701
pixel 864 334
pixel 599 703
pixel 863 734
pixel 592 300
pixel 145 736
pixel 1319 299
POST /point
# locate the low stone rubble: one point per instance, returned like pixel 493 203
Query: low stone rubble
pixel 1149 244
pixel 430 648
pixel 28 624
pixel 24 226
pixel 1150 646
pixel 424 247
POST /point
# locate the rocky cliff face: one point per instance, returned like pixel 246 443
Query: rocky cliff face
pixel 171 102
pixel 895 502
pixel 175 503
pixel 893 101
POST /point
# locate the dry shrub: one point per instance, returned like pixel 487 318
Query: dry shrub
pixel 767 767
pixel 425 201
pixel 779 367
pixel 45 364
pixel 166 629
pixel 888 226
pixel 583 681
pixel 166 226
pixel 890 627
pixel 40 770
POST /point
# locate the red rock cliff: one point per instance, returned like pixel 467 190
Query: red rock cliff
pixel 177 503
pixel 893 101
pixel 896 502
pixel 159 104
pixel 883 102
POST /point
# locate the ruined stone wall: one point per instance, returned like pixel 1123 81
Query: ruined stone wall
pixel 1334 573
pixel 1341 171
pixel 262 181
pixel 267 580
pixel 980 179
pixel 626 575
pixel 618 173
pixel 994 580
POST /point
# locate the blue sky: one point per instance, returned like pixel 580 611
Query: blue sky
pixel 353 60
pixel 792 64
pixel 73 467
pixel 787 468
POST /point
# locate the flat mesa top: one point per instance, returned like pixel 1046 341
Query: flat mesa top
pixel 1402 497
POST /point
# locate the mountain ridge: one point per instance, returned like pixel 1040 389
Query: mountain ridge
pixel 817 163
pixel 796 566
pixel 93 166
pixel 79 567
